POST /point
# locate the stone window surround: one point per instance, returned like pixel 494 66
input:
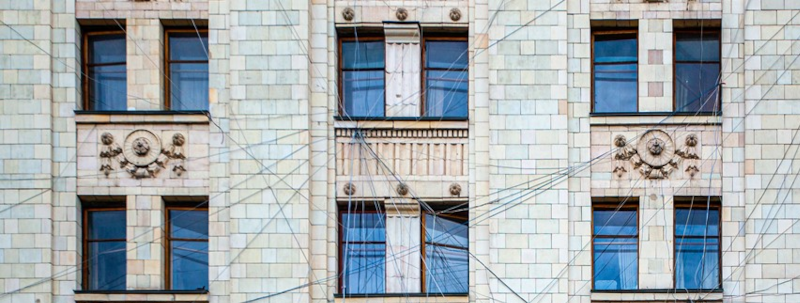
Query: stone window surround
pixel 405 210
pixel 397 32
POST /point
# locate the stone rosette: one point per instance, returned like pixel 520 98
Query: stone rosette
pixel 141 147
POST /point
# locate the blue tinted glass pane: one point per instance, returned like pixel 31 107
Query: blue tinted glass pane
pixel 364 268
pixel 616 264
pixel 446 231
pixel 446 94
pixel 447 269
pixel 697 47
pixel 697 263
pixel 615 88
pixel 188 46
pixel 694 222
pixel 109 87
pixel 615 48
pixel 446 54
pixel 363 227
pixel 363 94
pixel 189 86
pixel 107 48
pixel 106 225
pixel 362 54
pixel 696 87
pixel 188 224
pixel 189 265
pixel 609 222
pixel 107 265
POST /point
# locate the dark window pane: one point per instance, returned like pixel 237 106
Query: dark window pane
pixel 188 46
pixel 446 93
pixel 364 268
pixel 697 47
pixel 615 48
pixel 189 265
pixel 108 87
pixel 697 263
pixel 447 269
pixel 697 222
pixel 362 55
pixel 107 48
pixel 446 54
pixel 615 223
pixel 105 225
pixel 189 86
pixel 363 93
pixel 446 231
pixel 696 87
pixel 189 224
pixel 107 265
pixel 363 227
pixel 616 264
pixel 615 88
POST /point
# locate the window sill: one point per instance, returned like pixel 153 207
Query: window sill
pixel 130 117
pixel 141 295
pixel 654 118
pixel 657 295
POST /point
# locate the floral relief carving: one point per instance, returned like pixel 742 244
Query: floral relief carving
pixel 141 154
pixel 655 155
pixel 108 151
pixel 175 152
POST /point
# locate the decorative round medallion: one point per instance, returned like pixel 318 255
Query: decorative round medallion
pixel 348 13
pixel 455 14
pixel 401 14
pixel 178 139
pixel 620 141
pixel 141 147
pixel 656 148
pixel 402 189
pixel 349 189
pixel 455 189
pixel 691 140
pixel 107 138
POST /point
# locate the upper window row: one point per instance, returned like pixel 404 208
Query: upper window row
pixel 696 71
pixel 444 78
pixel 185 69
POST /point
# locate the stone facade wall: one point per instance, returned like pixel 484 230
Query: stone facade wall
pixel 270 157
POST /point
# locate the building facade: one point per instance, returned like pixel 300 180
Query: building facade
pixel 399 151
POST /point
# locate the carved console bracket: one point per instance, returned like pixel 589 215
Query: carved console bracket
pixel 141 154
pixel 655 155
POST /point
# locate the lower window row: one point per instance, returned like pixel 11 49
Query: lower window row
pixel 105 248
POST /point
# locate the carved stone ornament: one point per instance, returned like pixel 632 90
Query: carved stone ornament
pixel 175 152
pixel 455 14
pixel 401 14
pixel 655 155
pixel 108 152
pixel 141 154
pixel 348 13
pixel 349 189
pixel 455 189
pixel 402 189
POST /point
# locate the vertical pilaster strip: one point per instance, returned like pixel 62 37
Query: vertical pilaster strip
pixel 480 288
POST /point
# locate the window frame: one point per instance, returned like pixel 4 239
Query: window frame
pixel 340 72
pixel 424 243
pixel 364 209
pixel 168 61
pixel 424 72
pixel 611 31
pixel 89 104
pixel 694 30
pixel 85 272
pixel 686 203
pixel 614 204
pixel 168 239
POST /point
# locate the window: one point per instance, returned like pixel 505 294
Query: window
pixel 363 252
pixel 615 246
pixel 446 75
pixel 187 67
pixel 105 84
pixel 446 253
pixel 362 74
pixel 615 71
pixel 697 70
pixel 187 248
pixel 104 249
pixel 697 238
